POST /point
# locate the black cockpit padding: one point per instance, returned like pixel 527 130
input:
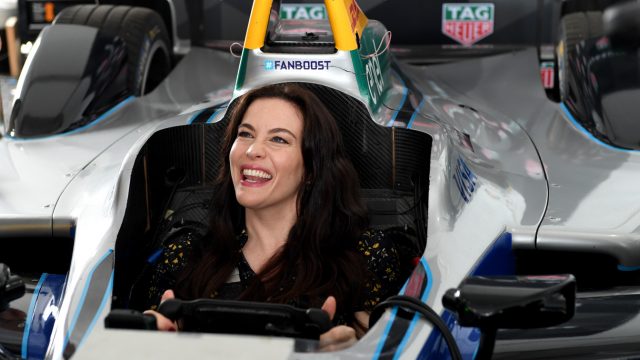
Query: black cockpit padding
pixel 392 165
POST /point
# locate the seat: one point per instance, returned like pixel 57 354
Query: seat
pixel 392 164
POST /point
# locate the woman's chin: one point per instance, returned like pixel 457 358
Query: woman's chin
pixel 249 201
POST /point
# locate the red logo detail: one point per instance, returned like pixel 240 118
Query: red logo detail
pixel 467 32
pixel 354 11
pixel 547 76
pixel 416 281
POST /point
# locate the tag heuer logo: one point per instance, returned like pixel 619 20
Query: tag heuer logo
pixel 303 11
pixel 467 23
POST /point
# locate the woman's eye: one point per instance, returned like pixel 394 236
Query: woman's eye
pixel 244 134
pixel 279 140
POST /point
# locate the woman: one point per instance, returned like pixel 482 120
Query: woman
pixel 287 223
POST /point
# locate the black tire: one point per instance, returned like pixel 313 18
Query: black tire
pixel 98 16
pixel 66 16
pixel 146 38
pixel 574 28
pixel 144 33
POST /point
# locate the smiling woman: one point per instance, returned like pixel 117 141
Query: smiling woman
pixel 266 158
pixel 287 224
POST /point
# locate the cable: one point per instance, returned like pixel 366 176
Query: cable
pixel 377 51
pixel 231 49
pixel 423 309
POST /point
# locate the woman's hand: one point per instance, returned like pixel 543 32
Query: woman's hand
pixel 339 337
pixel 162 322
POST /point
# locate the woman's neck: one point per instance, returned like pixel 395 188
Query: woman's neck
pixel 267 232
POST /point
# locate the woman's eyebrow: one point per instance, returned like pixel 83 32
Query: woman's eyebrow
pixel 277 130
pixel 248 126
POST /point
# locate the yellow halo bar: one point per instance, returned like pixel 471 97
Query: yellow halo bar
pixel 345 17
pixel 258 23
pixel 346 20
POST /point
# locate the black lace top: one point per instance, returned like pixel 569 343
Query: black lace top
pixel 381 258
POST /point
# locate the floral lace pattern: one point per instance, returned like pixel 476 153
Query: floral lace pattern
pixel 380 255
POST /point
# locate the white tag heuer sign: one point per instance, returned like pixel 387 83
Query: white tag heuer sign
pixel 467 23
pixel 303 11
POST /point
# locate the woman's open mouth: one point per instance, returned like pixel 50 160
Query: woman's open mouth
pixel 255 177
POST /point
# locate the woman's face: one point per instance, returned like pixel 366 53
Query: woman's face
pixel 266 157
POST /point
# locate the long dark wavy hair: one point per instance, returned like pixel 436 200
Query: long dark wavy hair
pixel 319 257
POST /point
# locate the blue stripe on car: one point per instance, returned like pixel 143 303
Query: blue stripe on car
pixel 415 113
pixel 385 334
pixel 195 116
pixel 497 260
pixel 103 303
pixel 579 126
pixel 103 116
pixel 628 268
pixel 213 116
pixel 423 298
pixel 30 315
pixel 83 297
pixel 43 314
pixel 404 98
pixel 99 119
pixel 467 339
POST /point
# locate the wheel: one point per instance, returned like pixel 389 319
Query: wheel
pixel 574 28
pixel 144 33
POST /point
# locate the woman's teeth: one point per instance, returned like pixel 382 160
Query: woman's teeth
pixel 256 174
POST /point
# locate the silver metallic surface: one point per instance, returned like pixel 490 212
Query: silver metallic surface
pixel 503 159
pixel 339 74
pixel 179 20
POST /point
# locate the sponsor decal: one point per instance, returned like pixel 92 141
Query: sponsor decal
pixel 357 19
pixel 467 23
pixel 373 72
pixel 547 74
pixel 466 181
pixel 354 12
pixel 297 65
pixel 303 11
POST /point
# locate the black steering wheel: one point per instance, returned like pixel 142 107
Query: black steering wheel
pixel 230 317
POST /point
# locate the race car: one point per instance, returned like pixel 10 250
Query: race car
pixel 516 225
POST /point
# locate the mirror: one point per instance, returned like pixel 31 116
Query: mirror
pixel 513 302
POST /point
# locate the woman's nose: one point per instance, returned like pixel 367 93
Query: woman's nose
pixel 255 150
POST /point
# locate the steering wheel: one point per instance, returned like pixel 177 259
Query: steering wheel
pixel 230 317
